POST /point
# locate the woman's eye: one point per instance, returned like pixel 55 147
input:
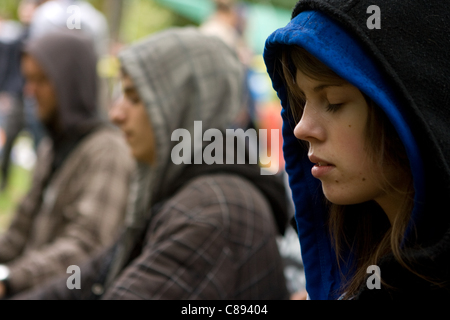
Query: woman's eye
pixel 333 107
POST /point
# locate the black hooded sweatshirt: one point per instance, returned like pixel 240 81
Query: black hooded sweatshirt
pixel 409 48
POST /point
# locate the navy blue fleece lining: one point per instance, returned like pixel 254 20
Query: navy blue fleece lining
pixel 326 40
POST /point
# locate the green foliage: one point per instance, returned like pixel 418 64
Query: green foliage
pixel 286 4
pixel 140 17
pixel 98 4
pixel 8 9
pixel 19 183
pixel 144 17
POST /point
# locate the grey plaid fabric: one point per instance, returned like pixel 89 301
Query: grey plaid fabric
pixel 83 208
pixel 215 239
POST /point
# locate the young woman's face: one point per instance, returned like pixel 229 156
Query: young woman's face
pixel 333 123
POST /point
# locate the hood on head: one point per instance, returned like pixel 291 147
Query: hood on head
pixel 183 76
pixel 383 64
pixel 70 62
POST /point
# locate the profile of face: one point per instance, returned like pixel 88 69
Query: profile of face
pixel 130 115
pixel 334 125
pixel 41 88
pixel 26 11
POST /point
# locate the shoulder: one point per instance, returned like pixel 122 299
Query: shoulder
pixel 222 201
pixel 106 139
pixel 45 148
pixel 105 147
pixel 105 132
pixel 219 188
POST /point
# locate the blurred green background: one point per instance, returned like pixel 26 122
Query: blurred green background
pixel 19 183
pixel 139 18
pixel 130 20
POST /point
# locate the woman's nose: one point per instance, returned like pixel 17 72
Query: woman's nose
pixel 310 127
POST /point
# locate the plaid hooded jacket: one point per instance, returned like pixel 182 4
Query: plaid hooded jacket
pixel 78 196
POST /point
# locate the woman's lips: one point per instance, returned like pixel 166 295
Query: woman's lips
pixel 319 171
pixel 321 166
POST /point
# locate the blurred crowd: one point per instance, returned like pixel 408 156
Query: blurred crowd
pixel 105 194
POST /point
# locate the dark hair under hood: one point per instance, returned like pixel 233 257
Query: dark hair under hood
pixel 404 68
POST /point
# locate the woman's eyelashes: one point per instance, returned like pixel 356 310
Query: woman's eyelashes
pixel 334 107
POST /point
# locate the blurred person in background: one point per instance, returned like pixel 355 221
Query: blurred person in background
pixel 52 15
pixel 193 231
pixel 17 110
pixel 78 195
pixel 228 23
pixel 38 18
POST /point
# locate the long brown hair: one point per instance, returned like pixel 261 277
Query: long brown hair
pixel 363 228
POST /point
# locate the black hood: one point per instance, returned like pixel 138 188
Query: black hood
pixel 409 55
pixel 416 64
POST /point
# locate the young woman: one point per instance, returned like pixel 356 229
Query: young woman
pixel 366 147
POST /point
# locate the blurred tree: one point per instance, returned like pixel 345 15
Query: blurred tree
pixel 113 10
pixel 286 4
pixel 8 9
pixel 143 17
pixel 132 19
pixel 99 4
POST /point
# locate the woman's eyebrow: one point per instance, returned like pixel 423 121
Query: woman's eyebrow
pixel 324 86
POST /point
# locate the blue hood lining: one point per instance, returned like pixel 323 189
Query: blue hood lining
pixel 327 41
